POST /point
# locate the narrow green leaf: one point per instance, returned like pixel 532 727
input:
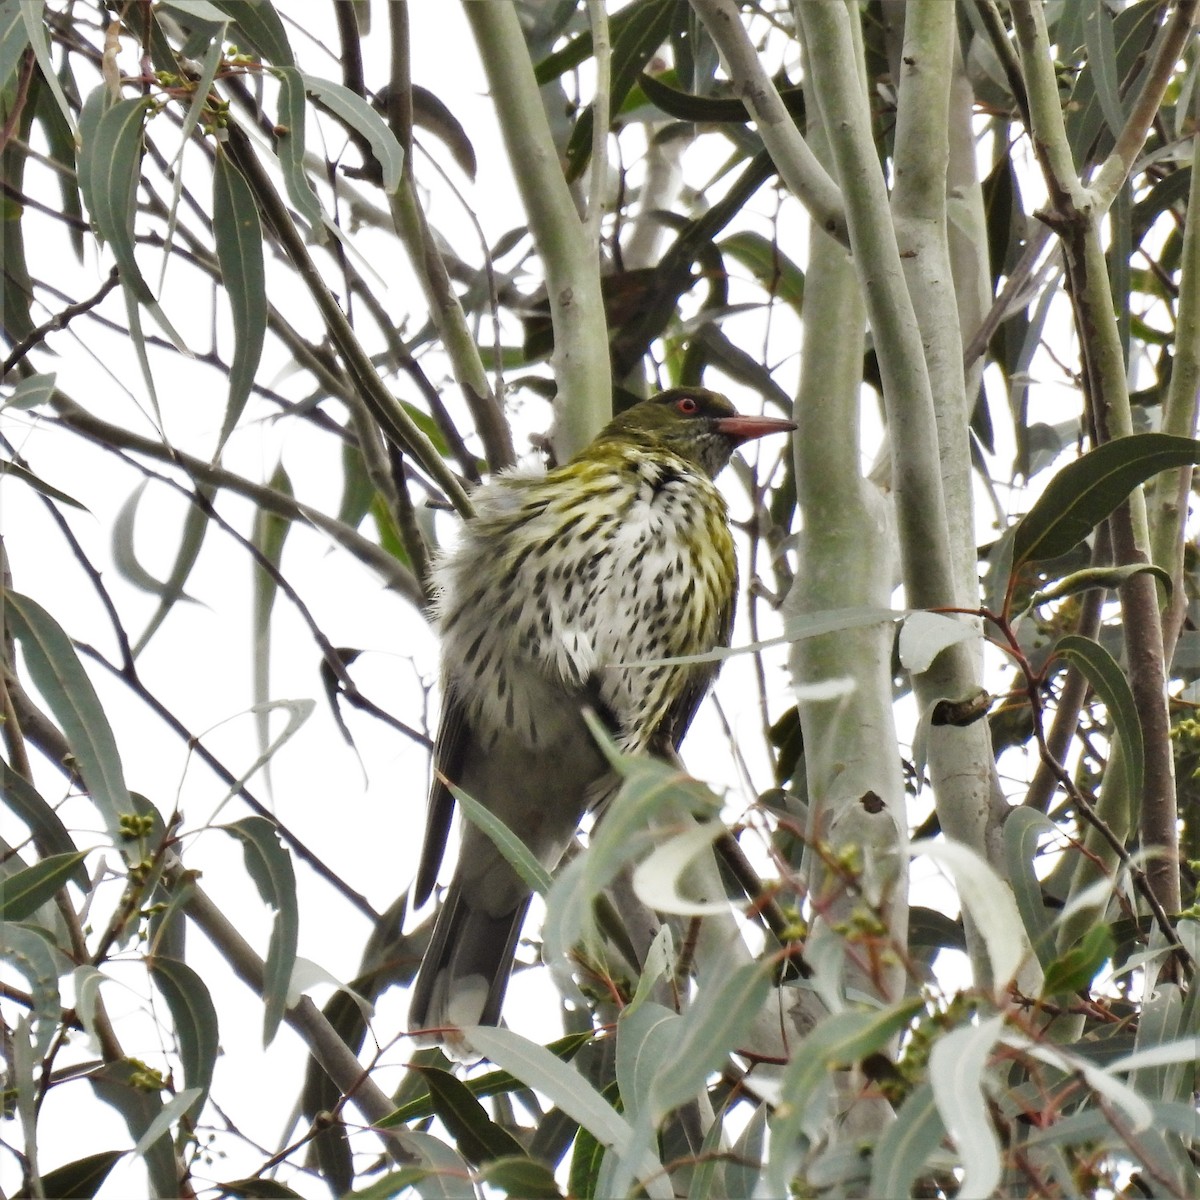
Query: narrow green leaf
pixel 59 676
pixel 744 1167
pixel 358 114
pixel 1102 62
pixel 25 891
pixel 79 1180
pixel 31 952
pixel 39 485
pixel 124 551
pixel 838 1041
pixel 777 273
pixel 989 901
pixel 259 25
pixel 289 145
pixel 32 391
pixel 1098 577
pixel 213 57
pixel 478 1138
pixel 906 1145
pixel 1131 32
pixel 39 39
pixel 647 1042
pixel 237 233
pixel 196 525
pixel 633 44
pixel 1074 970
pixel 270 867
pixel 1023 829
pixel 1102 672
pixel 172 1111
pixel 268 536
pixel 14 37
pixel 714 1025
pixel 265 1188
pixel 394 1183
pixel 195 1020
pixel 1086 491
pixel 492 1083
pixel 507 842
pixel 567 1088
pixel 109 170
pixel 579 49
pixel 50 835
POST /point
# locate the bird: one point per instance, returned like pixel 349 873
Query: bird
pixel 558 583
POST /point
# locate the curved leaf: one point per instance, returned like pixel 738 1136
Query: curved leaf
pixel 775 272
pixel 535 1066
pixel 478 1137
pixel 50 835
pixel 634 42
pixel 28 950
pixel 110 162
pixel 1098 577
pixel 956 1068
pixel 38 34
pixel 57 673
pixel 1086 491
pixel 713 1027
pixel 1023 829
pixel 124 551
pixel 358 114
pixel 289 146
pixel 270 867
pixel 238 235
pixel 839 1041
pixel 989 901
pixel 195 1020
pixel 1102 672
pixel 25 891
pixel 78 1180
pixel 259 25
pixel 906 1144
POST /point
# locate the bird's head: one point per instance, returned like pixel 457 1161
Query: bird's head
pixel 699 426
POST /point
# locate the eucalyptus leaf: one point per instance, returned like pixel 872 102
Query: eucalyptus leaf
pixel 1102 672
pixel 1087 490
pixel 55 669
pixel 270 866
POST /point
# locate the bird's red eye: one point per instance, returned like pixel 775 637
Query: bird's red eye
pixel 687 406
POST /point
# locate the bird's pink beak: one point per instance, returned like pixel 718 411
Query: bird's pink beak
pixel 744 428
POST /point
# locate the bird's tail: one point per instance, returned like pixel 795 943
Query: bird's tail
pixel 465 971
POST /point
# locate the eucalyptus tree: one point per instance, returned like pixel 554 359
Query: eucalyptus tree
pixel 282 284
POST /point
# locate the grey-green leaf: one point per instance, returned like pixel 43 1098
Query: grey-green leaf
pixel 50 835
pixel 33 954
pixel 289 145
pixel 260 26
pixel 1022 830
pixel 906 1145
pixel 195 1020
pixel 59 676
pixel 357 113
pixel 1102 672
pixel 238 236
pixel 1087 490
pixel 38 484
pixel 24 892
pixel 32 391
pixel 270 867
